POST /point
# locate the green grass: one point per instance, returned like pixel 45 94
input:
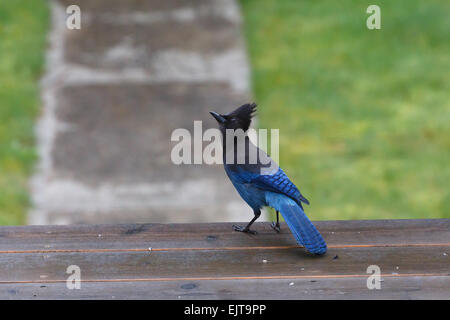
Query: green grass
pixel 364 116
pixel 23 26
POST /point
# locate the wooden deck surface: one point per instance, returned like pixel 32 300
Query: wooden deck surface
pixel 210 261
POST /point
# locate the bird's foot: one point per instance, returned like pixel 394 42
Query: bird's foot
pixel 243 229
pixel 276 226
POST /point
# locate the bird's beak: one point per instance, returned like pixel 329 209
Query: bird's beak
pixel 218 117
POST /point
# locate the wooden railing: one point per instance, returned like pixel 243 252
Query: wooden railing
pixel 210 261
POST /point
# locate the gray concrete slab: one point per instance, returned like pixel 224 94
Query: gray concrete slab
pixel 121 133
pixel 112 95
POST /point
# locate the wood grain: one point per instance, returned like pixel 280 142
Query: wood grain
pixel 268 289
pixel 413 256
pixel 219 235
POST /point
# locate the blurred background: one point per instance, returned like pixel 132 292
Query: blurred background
pixel 86 114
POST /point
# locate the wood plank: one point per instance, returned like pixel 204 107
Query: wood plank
pixel 219 235
pixel 210 261
pixel 269 289
pixel 225 264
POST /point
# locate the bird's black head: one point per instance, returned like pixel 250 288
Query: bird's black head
pixel 238 119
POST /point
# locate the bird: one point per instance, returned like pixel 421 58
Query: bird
pixel 261 182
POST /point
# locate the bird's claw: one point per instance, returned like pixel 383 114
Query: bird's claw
pixel 243 229
pixel 276 226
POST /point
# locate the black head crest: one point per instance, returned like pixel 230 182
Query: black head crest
pixel 241 117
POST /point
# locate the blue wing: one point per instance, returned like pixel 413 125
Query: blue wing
pixel 277 182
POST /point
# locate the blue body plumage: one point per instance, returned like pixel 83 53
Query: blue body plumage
pixel 271 188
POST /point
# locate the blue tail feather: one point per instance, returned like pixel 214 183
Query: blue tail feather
pixel 301 227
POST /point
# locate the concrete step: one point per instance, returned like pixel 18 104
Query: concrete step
pixel 114 92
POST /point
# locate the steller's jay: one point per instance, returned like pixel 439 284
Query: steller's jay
pixel 260 181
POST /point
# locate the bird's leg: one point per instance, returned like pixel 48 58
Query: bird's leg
pixel 276 226
pixel 247 228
